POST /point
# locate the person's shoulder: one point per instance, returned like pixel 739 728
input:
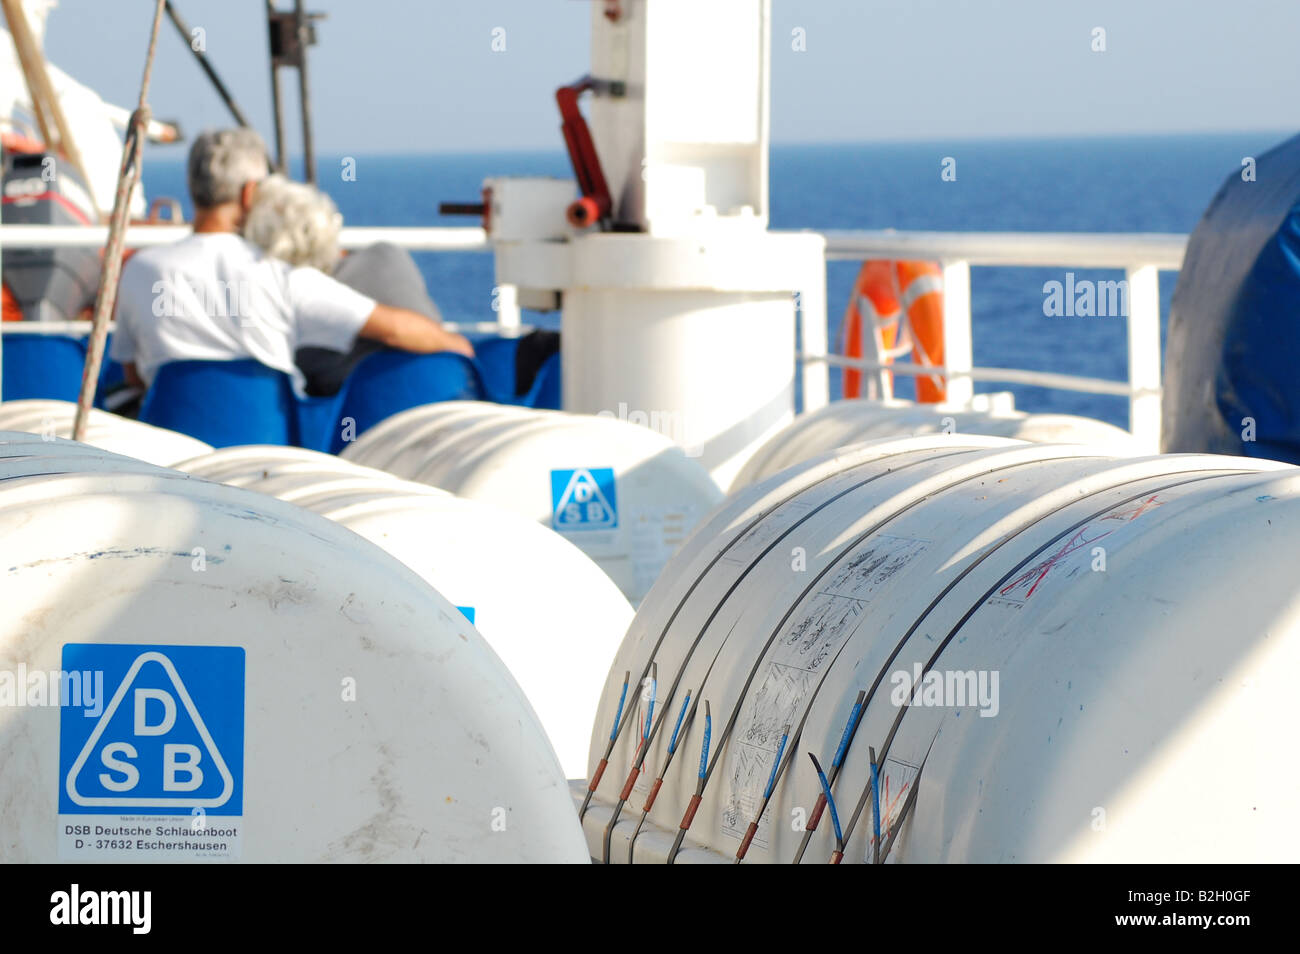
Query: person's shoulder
pixel 199 246
pixel 309 277
pixel 236 253
pixel 152 258
pixel 224 245
pixel 169 257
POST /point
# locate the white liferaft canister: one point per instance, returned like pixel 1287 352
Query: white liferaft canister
pixel 1045 635
pixel 625 495
pixel 546 609
pixel 275 688
pixel 54 420
pixel 551 614
pixel 850 422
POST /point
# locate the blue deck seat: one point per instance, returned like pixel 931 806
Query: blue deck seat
pixel 496 362
pixel 547 391
pixel 223 402
pixel 316 421
pixel 388 382
pixel 42 366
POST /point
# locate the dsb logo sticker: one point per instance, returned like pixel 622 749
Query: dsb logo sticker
pixel 171 738
pixel 584 499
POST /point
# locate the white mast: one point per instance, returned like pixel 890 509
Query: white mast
pixel 690 319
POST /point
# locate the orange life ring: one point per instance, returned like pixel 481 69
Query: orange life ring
pixel 901 304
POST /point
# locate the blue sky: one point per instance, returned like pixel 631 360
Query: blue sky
pixel 420 75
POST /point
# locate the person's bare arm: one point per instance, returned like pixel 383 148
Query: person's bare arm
pixel 411 331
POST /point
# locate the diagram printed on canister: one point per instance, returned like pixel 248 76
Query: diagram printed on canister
pixel 796 666
pixel 584 498
pixel 775 700
pixel 153 768
pixel 1073 555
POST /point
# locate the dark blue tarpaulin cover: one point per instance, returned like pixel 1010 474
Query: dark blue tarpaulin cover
pixel 1232 354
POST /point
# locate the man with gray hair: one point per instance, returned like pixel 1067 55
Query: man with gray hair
pixel 214 296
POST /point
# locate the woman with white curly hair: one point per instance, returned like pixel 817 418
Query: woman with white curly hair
pixel 300 224
pixel 295 223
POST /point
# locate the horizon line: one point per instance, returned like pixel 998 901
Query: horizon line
pixel 801 143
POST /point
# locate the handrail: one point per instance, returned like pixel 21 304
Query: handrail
pixel 416 239
pixel 1117 250
pixel 1044 379
pixel 74 329
pixel 79 329
pixel 1140 255
pixel 1015 249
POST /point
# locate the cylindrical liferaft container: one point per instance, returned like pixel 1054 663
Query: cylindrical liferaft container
pixel 120 435
pixel 193 672
pixel 850 422
pixel 547 610
pixel 1045 649
pixel 288 472
pixel 623 494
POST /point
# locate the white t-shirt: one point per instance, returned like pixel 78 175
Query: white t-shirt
pixel 215 296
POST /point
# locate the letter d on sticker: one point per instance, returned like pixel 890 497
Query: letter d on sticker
pixel 142 724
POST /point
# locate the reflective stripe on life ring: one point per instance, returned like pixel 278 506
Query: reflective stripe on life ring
pixel 901 305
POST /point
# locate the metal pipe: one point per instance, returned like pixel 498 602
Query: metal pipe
pixel 206 66
pixel 1117 250
pixel 1050 379
pixel 277 113
pixel 433 239
pixel 304 94
pixel 76 328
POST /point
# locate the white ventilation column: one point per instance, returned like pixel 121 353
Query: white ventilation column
pixel 684 311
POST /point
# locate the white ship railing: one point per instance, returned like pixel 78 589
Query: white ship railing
pixel 1140 256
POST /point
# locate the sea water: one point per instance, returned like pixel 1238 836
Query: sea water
pixel 1130 184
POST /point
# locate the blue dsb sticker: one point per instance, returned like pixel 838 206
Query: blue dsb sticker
pixel 585 498
pixel 170 738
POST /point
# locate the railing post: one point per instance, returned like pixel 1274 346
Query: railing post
pixel 1144 355
pixel 815 375
pixel 957 351
pixel 506 302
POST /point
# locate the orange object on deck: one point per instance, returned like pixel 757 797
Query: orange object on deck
pixel 12 310
pixel 18 142
pixel 901 305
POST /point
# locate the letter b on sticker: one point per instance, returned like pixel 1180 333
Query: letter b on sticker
pixel 181 772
